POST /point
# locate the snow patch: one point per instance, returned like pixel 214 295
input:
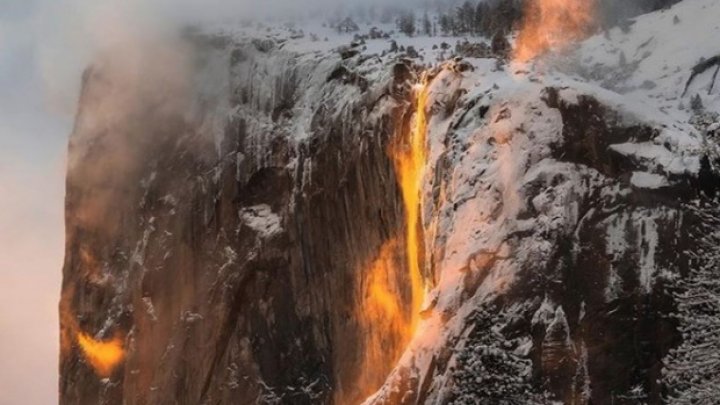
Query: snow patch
pixel 648 180
pixel 261 219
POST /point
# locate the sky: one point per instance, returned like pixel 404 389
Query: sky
pixel 33 135
pixel 44 47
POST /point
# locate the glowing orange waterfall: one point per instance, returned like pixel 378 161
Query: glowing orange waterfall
pixel 410 158
pixel 388 323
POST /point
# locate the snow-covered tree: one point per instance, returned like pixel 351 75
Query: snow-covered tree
pixel 487 370
pixel 406 23
pixel 465 18
pixel 447 24
pixel 692 370
pixel 427 25
pixel 696 104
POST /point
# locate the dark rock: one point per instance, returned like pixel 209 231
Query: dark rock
pixel 263 45
pixel 348 52
pixel 346 76
pixel 473 50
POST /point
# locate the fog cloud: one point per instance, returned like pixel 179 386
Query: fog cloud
pixel 69 33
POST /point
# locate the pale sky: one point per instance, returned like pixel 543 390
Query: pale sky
pixel 32 150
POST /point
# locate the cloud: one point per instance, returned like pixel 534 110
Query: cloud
pixel 69 32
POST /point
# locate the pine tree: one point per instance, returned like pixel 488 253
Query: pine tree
pixel 505 15
pixel 696 104
pixel 692 372
pixel 480 19
pixel 427 25
pixel 465 16
pixel 446 24
pixel 487 371
pixel 406 23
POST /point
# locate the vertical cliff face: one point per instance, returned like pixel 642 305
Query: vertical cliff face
pixel 258 221
pixel 222 221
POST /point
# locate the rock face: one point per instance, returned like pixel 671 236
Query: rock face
pixel 550 249
pixel 223 231
pixel 226 212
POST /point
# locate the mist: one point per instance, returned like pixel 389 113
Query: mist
pixel 70 33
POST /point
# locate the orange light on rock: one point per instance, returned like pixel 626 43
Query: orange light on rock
pixel 384 319
pixel 103 356
pixel 381 294
pixel 552 25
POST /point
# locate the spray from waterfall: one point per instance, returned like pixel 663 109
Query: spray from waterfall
pixel 553 25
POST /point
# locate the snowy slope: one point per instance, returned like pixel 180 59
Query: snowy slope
pixel 659 51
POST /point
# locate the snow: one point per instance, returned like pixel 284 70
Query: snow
pixel 658 157
pixel 261 219
pixel 544 314
pixel 615 248
pixel 647 245
pixel 661 52
pixel 149 308
pixel 648 180
pixel 315 37
pixel 191 317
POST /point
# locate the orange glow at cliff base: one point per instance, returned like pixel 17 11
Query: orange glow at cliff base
pixel 104 356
